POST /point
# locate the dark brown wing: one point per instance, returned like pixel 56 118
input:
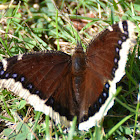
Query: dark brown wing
pixel 103 52
pixel 106 59
pixel 43 79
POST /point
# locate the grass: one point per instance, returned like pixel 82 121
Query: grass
pixel 26 28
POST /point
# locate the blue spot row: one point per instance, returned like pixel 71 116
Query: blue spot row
pixel 56 106
pixel 123 38
pixel 101 100
pixel 22 79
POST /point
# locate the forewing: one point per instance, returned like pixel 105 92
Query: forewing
pixel 43 79
pixel 106 60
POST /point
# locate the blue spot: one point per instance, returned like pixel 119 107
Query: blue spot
pixel 115 60
pixel 119 42
pixel 117 50
pixel 1 72
pixel 100 100
pixel 22 79
pixel 107 85
pixel 124 27
pixel 14 75
pixel 30 86
pixel 6 75
pixel 95 106
pixel 37 92
pixel 125 32
pixel 113 71
pixel 104 94
pixel 123 37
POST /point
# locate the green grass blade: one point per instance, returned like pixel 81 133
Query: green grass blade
pixel 117 126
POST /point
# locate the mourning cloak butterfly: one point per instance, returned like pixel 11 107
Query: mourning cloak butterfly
pixel 64 86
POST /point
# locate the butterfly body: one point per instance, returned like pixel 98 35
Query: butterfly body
pixel 64 86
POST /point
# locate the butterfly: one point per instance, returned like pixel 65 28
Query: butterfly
pixel 64 86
